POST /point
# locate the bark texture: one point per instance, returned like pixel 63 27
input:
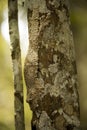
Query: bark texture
pixel 17 69
pixel 50 67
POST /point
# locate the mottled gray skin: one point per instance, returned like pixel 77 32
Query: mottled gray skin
pixel 50 68
pixel 16 61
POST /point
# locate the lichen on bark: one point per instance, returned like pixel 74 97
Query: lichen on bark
pixel 50 68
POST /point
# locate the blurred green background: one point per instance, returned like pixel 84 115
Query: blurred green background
pixel 78 13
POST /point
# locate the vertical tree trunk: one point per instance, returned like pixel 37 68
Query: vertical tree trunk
pixel 17 69
pixel 50 68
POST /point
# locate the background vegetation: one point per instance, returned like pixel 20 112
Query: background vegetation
pixel 78 15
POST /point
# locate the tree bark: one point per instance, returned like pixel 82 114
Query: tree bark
pixel 17 68
pixel 50 67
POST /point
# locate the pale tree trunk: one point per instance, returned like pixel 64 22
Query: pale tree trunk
pixel 50 67
pixel 17 68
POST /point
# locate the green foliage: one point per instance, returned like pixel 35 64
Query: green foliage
pixel 2 7
pixel 4 127
pixel 6 100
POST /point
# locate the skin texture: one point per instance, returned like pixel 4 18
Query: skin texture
pixel 16 61
pixel 50 68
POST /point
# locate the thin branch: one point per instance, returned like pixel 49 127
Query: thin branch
pixel 17 67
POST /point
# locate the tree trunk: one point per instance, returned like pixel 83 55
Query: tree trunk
pixel 17 68
pixel 50 67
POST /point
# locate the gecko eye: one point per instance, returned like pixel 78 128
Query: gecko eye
pixel 34 127
pixel 69 127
